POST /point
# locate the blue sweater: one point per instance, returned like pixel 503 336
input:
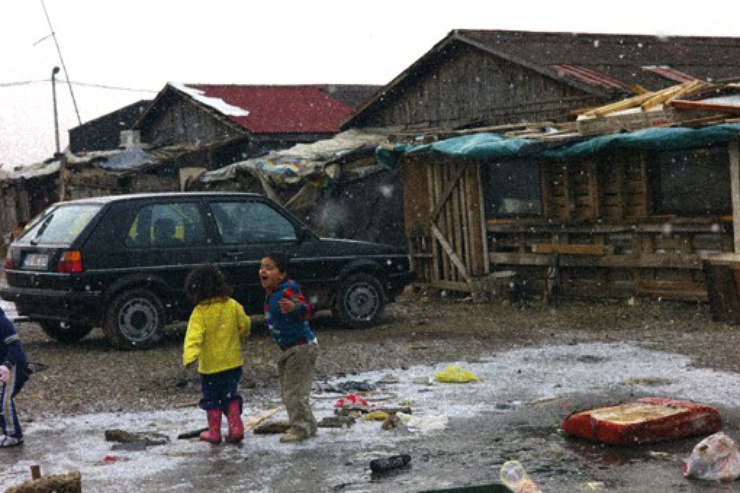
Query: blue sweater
pixel 11 349
pixel 288 328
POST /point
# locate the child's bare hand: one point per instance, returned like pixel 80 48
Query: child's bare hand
pixel 286 305
pixel 4 374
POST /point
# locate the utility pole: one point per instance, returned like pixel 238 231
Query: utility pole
pixel 56 113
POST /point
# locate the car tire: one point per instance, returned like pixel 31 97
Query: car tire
pixel 64 333
pixel 359 301
pixel 134 320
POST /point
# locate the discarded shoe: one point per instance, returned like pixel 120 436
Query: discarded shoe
pixel 6 441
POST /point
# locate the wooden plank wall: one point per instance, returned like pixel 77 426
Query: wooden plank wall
pixel 609 245
pixel 471 85
pixel 444 224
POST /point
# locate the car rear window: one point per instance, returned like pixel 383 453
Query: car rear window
pixel 61 224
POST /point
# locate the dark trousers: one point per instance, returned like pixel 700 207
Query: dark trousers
pixel 219 389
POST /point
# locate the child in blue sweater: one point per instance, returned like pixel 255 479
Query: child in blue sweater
pixel 287 315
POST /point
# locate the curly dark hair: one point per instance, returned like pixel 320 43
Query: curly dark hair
pixel 281 260
pixel 206 281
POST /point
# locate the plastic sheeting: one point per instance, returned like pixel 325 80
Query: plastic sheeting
pixel 301 162
pixel 495 146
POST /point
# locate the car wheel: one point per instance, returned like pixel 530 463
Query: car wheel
pixel 134 320
pixel 64 332
pixel 360 301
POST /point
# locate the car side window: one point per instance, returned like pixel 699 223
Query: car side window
pixel 251 222
pixel 167 225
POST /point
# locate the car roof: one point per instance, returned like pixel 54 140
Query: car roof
pixel 104 199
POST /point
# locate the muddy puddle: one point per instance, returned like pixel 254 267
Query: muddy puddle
pixel 457 434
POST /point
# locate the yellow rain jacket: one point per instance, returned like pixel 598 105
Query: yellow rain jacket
pixel 216 330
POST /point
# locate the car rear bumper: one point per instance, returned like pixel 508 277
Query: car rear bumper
pixel 63 306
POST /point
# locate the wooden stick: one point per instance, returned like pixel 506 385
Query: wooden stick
pixel 253 422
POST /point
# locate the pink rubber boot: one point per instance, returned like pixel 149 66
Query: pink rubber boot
pixel 234 420
pixel 213 434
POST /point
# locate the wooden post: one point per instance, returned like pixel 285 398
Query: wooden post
pixel 734 149
pixel 35 471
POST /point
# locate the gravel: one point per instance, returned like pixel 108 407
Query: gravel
pixel 88 376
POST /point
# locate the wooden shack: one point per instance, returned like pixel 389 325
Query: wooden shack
pixel 614 216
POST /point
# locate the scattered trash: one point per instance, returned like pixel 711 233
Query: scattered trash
pixel 516 478
pixel 145 438
pixel 423 381
pixel 384 464
pixel 423 424
pixel 715 458
pixel 376 415
pixel 131 446
pixel 273 428
pixel 351 400
pixel 191 434
pixel 455 374
pixel 349 386
pixel 392 421
pixel 335 422
pixel 592 486
pixel 647 420
pixel 659 455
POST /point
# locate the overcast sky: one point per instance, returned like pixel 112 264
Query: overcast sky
pixel 116 53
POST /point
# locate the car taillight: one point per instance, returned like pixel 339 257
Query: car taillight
pixel 9 263
pixel 71 262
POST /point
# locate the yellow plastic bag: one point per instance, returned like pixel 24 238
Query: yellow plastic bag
pixel 376 415
pixel 455 374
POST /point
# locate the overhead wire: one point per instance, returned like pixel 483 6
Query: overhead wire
pixel 61 60
pixel 76 83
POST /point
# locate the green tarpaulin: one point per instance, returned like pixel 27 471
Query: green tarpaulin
pixel 495 146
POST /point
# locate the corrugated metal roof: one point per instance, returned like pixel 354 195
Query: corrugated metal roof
pixel 670 73
pixel 620 56
pixel 588 76
pixel 280 109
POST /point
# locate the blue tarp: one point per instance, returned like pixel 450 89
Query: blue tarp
pixel 495 146
pixel 131 158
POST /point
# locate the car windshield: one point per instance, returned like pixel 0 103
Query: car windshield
pixel 61 224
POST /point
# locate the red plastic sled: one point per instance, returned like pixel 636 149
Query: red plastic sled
pixel 652 419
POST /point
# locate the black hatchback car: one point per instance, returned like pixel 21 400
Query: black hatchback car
pixel 120 262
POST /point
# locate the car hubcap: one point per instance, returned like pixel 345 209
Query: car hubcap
pixel 362 301
pixel 138 320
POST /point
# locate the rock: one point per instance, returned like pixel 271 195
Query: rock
pixel 149 438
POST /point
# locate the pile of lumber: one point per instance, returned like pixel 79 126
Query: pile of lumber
pixel 646 101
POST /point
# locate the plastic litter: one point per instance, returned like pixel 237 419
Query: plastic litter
pixel 715 458
pixel 351 400
pixel 384 464
pixel 516 478
pixel 376 415
pixel 455 374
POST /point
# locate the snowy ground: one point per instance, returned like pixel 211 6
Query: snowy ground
pixel 338 459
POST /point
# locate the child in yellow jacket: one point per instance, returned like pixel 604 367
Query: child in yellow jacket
pixel 216 330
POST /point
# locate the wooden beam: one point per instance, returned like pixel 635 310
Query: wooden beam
pixel 734 149
pixel 453 256
pixel 442 199
pixel 570 249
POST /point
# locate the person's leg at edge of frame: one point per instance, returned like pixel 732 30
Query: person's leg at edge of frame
pixel 12 433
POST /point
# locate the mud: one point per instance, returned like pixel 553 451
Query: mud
pixel 538 364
